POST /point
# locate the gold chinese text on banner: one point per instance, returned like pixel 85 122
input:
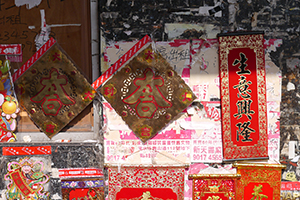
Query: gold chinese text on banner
pixel 147 93
pixel 258 181
pixel 214 186
pixel 51 89
pixel 243 95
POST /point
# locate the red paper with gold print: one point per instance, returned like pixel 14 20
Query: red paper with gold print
pixel 214 186
pixel 147 93
pixel 259 181
pixel 146 194
pixel 52 90
pixel 243 96
pixel 149 182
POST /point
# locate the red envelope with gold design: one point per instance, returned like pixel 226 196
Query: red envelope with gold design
pixel 51 88
pixel 147 93
pixel 259 181
pixel 148 182
pixel 214 186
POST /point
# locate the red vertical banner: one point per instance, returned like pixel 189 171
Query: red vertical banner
pixel 214 186
pixel 243 95
pixel 258 181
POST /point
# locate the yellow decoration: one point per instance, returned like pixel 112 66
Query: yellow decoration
pixel 256 194
pixel 188 95
pixel 146 196
pixel 214 188
pixel 9 107
pixel 291 176
pixel 214 198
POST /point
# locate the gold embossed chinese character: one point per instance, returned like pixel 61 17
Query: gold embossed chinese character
pixel 53 91
pixel 147 93
pixel 257 193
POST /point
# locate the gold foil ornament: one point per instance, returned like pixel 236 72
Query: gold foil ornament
pixel 53 91
pixel 147 93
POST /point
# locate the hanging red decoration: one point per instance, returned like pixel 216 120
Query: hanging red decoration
pixel 214 186
pixel 243 95
pixel 146 182
pixel 259 181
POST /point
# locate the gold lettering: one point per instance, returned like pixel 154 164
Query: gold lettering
pixel 289 196
pixel 295 195
pixel 214 198
pixel 291 176
pixel 257 193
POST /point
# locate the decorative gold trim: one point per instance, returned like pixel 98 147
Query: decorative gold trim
pixel 106 165
pixel 213 176
pixel 142 177
pixel 258 165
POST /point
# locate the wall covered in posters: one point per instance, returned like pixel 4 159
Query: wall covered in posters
pixel 195 137
pixel 185 34
pixel 198 130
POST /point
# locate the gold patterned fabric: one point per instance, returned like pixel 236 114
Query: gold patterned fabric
pixel 132 182
pixel 214 186
pixel 147 93
pixel 258 181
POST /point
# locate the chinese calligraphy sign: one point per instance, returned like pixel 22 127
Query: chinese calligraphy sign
pixel 53 91
pixel 147 93
pixel 149 182
pixel 214 186
pixel 243 96
pixel 258 181
pixel 26 180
